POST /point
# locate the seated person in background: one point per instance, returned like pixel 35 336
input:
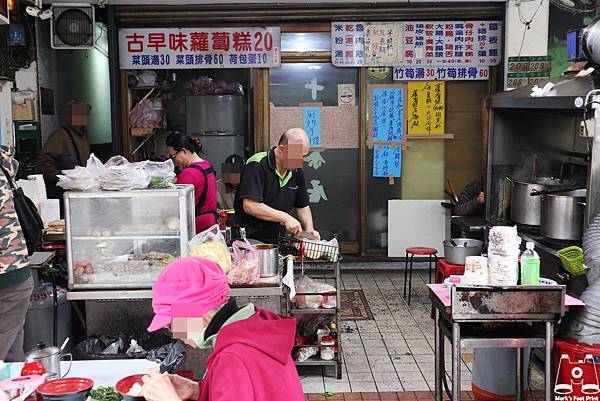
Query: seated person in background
pixel 471 200
pixel 252 358
pixel 231 171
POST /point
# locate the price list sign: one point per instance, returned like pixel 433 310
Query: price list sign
pixel 167 48
pixel 427 43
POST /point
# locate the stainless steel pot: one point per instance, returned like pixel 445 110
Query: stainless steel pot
pixel 50 357
pixel 524 208
pixel 562 215
pixel 268 259
pixel 456 255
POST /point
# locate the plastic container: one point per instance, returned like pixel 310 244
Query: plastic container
pixel 327 348
pixel 572 260
pixel 494 376
pixel 530 265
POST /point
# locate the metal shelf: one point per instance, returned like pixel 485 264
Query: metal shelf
pixel 316 361
pixel 131 237
pixel 147 294
pixel 321 311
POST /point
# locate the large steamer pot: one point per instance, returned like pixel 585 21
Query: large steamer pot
pixel 524 208
pixel 456 255
pixel 562 215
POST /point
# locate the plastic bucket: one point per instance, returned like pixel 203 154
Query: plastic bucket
pixel 494 373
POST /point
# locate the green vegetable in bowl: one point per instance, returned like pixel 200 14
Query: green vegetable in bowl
pixel 104 394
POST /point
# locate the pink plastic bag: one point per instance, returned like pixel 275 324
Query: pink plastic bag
pixel 245 269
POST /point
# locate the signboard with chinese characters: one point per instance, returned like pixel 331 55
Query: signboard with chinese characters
pixel 426 108
pixel 172 48
pixel 312 125
pixel 461 73
pixel 387 161
pixel 387 118
pixel 383 44
pixel 441 43
pixel 348 44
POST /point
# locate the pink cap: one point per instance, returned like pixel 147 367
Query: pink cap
pixel 189 287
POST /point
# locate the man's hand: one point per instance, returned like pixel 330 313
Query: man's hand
pixel 158 387
pixel 293 226
pixel 314 234
pixel 481 198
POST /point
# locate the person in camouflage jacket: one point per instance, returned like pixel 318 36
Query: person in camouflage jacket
pixel 16 284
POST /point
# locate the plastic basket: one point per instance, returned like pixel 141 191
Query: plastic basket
pixel 572 260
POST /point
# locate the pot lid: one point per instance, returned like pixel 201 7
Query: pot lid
pixel 65 386
pixel 43 352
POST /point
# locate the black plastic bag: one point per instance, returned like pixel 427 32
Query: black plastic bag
pixel 170 356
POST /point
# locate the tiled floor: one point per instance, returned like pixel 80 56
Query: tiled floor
pixel 394 353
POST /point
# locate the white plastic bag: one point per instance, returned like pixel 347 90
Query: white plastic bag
pixel 313 294
pixel 210 244
pixel 245 269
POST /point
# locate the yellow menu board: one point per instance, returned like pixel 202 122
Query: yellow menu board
pixel 426 108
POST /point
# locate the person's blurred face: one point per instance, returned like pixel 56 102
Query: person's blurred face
pixel 231 178
pixel 293 154
pixel 180 158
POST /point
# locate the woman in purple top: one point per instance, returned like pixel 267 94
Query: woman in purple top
pixel 185 152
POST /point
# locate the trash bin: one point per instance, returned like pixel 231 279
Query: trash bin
pixel 39 322
pixel 494 373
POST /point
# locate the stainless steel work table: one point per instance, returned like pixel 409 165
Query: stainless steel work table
pixel 513 307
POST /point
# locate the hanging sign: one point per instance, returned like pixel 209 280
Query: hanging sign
pixel 348 44
pixel 383 44
pixel 426 108
pixel 432 43
pixel 312 125
pixel 462 73
pixel 194 48
pixel 388 114
pixel 387 161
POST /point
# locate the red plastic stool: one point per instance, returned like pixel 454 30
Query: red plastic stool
pixel 443 270
pixel 420 251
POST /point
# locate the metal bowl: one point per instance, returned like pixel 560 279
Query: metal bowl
pixel 456 255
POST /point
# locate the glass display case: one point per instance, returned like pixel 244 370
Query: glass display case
pixel 123 240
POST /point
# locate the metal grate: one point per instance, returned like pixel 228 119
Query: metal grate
pixel 73 27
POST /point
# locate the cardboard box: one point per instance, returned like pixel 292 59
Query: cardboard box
pixel 23 112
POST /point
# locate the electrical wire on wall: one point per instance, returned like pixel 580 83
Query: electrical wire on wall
pixel 526 22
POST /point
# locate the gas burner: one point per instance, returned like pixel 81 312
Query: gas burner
pixel 534 230
pixel 558 244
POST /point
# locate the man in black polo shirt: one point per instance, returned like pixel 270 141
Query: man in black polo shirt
pixel 272 185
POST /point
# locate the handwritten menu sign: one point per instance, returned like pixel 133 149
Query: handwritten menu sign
pixel 388 114
pixel 312 125
pixel 387 161
pixel 426 108
pixel 383 44
pixel 426 43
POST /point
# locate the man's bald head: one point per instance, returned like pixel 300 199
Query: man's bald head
pixel 294 145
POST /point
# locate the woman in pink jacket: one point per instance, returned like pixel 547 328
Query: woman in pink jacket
pixel 252 347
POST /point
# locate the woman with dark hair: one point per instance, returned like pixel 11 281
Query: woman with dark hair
pixel 185 152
